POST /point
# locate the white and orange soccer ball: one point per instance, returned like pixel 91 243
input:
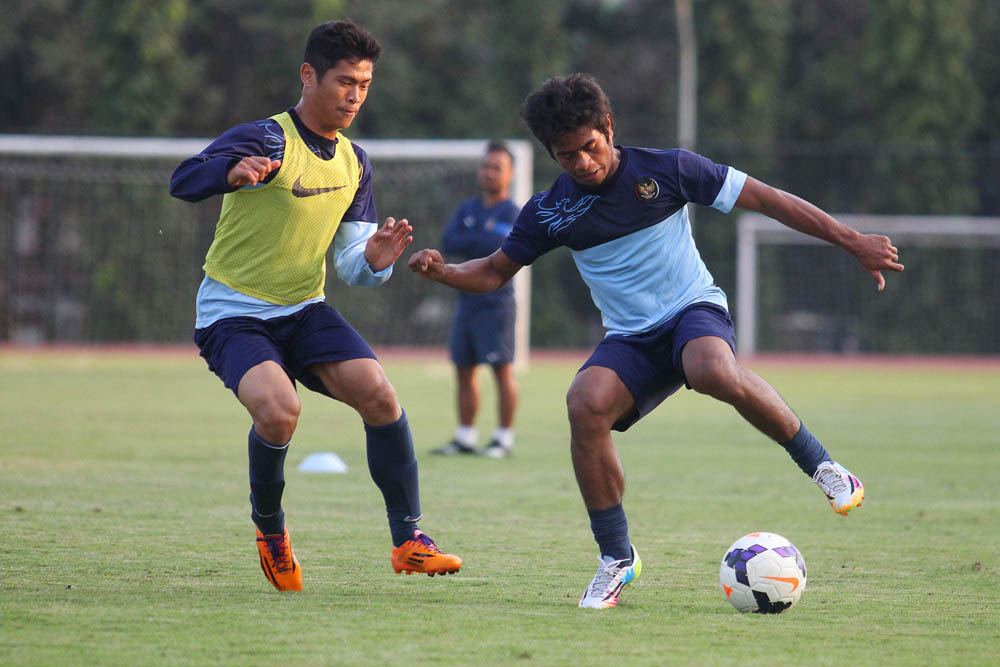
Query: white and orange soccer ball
pixel 763 573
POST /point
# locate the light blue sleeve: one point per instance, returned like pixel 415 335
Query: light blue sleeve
pixel 349 255
pixel 730 192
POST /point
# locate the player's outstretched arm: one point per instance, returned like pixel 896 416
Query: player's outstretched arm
pixel 476 275
pixel 875 252
pixel 386 245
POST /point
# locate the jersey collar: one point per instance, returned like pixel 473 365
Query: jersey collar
pixel 611 180
pixel 327 147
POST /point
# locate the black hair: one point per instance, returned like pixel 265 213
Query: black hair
pixel 333 41
pixel 499 147
pixel 565 104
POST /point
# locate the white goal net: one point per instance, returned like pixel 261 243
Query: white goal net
pixel 797 293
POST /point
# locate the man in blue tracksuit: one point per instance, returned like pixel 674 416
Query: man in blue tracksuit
pixel 483 331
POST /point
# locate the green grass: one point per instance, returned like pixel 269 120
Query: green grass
pixel 126 533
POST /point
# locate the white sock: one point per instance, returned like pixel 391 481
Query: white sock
pixel 505 436
pixel 466 435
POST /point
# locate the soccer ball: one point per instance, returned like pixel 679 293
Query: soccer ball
pixel 763 573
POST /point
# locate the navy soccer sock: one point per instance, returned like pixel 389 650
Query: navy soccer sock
pixel 393 467
pixel 267 483
pixel 610 528
pixel 806 450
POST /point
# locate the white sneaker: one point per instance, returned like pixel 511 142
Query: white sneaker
pixel 495 450
pixel 611 578
pixel 844 490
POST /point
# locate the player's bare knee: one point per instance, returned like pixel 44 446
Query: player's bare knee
pixel 379 405
pixel 275 420
pixel 587 414
pixel 716 378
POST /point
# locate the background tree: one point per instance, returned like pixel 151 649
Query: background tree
pixel 917 59
pixel 98 66
pixel 457 70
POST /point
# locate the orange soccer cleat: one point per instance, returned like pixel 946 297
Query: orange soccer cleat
pixel 278 561
pixel 421 555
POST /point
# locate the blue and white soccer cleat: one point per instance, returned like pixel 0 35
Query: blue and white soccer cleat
pixel 611 578
pixel 844 490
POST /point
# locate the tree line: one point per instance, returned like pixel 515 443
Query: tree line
pixel 872 77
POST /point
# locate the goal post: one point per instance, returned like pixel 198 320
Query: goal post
pixel 755 230
pixel 94 210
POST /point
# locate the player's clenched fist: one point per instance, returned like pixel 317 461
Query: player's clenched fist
pixel 251 171
pixel 427 263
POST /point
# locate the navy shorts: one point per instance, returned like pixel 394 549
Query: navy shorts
pixel 484 335
pixel 317 333
pixel 649 364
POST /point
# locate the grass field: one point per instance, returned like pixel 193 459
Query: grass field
pixel 127 540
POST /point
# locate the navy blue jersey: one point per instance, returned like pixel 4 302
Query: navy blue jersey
pixel 204 175
pixel 631 237
pixel 474 232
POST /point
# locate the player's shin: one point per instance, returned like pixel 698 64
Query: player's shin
pixel 393 467
pixel 806 450
pixel 267 483
pixel 610 528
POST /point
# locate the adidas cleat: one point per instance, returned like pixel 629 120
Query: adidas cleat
pixel 612 576
pixel 453 447
pixel 844 490
pixel 421 555
pixel 278 561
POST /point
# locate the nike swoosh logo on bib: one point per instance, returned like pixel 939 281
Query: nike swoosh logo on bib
pixel 299 191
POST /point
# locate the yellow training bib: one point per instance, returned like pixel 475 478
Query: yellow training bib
pixel 271 240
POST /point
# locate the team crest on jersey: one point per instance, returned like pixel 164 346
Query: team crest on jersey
pixel 647 189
